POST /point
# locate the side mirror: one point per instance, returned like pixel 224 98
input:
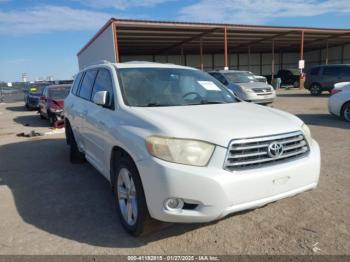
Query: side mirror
pixel 101 98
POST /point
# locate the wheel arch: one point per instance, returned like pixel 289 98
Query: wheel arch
pixel 117 152
pixel 343 106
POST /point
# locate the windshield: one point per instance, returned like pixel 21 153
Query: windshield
pixel 240 77
pixel 58 93
pixel 171 87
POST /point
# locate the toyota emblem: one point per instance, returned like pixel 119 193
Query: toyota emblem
pixel 275 149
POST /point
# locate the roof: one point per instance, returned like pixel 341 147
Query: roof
pixel 145 37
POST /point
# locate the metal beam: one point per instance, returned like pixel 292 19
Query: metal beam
pixel 188 40
pixel 331 37
pixel 265 39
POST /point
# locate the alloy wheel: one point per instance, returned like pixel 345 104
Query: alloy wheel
pixel 127 197
pixel 347 113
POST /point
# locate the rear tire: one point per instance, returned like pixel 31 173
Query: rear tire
pixel 315 90
pixel 345 112
pixel 76 157
pixel 52 118
pixel 296 84
pixel 130 200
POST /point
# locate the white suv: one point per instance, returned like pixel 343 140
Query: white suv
pixel 177 146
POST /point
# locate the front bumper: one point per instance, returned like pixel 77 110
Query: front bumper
pixel 219 192
pixel 58 113
pixel 259 97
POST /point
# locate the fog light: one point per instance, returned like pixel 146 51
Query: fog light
pixel 173 203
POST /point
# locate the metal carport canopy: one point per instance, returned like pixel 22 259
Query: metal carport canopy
pixel 142 37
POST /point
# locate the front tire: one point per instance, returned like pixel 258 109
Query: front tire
pixel 52 118
pixel 315 90
pixel 129 197
pixel 345 112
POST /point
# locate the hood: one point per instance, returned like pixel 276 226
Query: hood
pixel 57 103
pixel 219 123
pixel 254 85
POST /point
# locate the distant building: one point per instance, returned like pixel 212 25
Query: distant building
pixel 24 77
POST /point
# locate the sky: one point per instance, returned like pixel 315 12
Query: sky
pixel 41 38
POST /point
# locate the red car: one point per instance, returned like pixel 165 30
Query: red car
pixel 51 103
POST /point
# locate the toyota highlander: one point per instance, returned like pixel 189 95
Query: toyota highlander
pixel 178 146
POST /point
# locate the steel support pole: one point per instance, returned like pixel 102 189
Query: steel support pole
pixel 225 47
pixel 327 52
pixel 273 61
pixel 301 85
pixel 201 54
pixel 116 44
pixel 261 58
pixel 182 55
pixel 248 58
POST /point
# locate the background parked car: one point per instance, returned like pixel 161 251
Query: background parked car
pixel 262 79
pixel 339 102
pixel 51 102
pixel 32 95
pixel 244 85
pixel 322 78
pixel 288 77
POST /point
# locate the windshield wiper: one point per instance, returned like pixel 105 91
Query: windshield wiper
pixel 154 104
pixel 205 102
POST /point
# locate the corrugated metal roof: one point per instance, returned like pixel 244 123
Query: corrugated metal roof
pixel 146 37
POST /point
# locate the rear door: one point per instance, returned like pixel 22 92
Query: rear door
pixel 330 76
pixel 99 122
pixel 83 105
pixel 345 73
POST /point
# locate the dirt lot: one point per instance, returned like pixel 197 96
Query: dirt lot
pixel 48 206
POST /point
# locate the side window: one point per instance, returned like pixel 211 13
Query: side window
pixel 345 71
pixel 76 83
pixel 104 82
pixel 220 77
pixel 331 71
pixel 314 71
pixel 87 84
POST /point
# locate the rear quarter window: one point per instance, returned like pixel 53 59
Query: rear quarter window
pixel 332 71
pixel 76 83
pixel 87 84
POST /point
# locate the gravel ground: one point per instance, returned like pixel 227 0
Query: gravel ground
pixel 48 206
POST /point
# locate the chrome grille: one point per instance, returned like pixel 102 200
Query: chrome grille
pixel 258 151
pixel 262 90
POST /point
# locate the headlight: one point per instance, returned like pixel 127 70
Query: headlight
pixel 182 151
pixel 307 133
